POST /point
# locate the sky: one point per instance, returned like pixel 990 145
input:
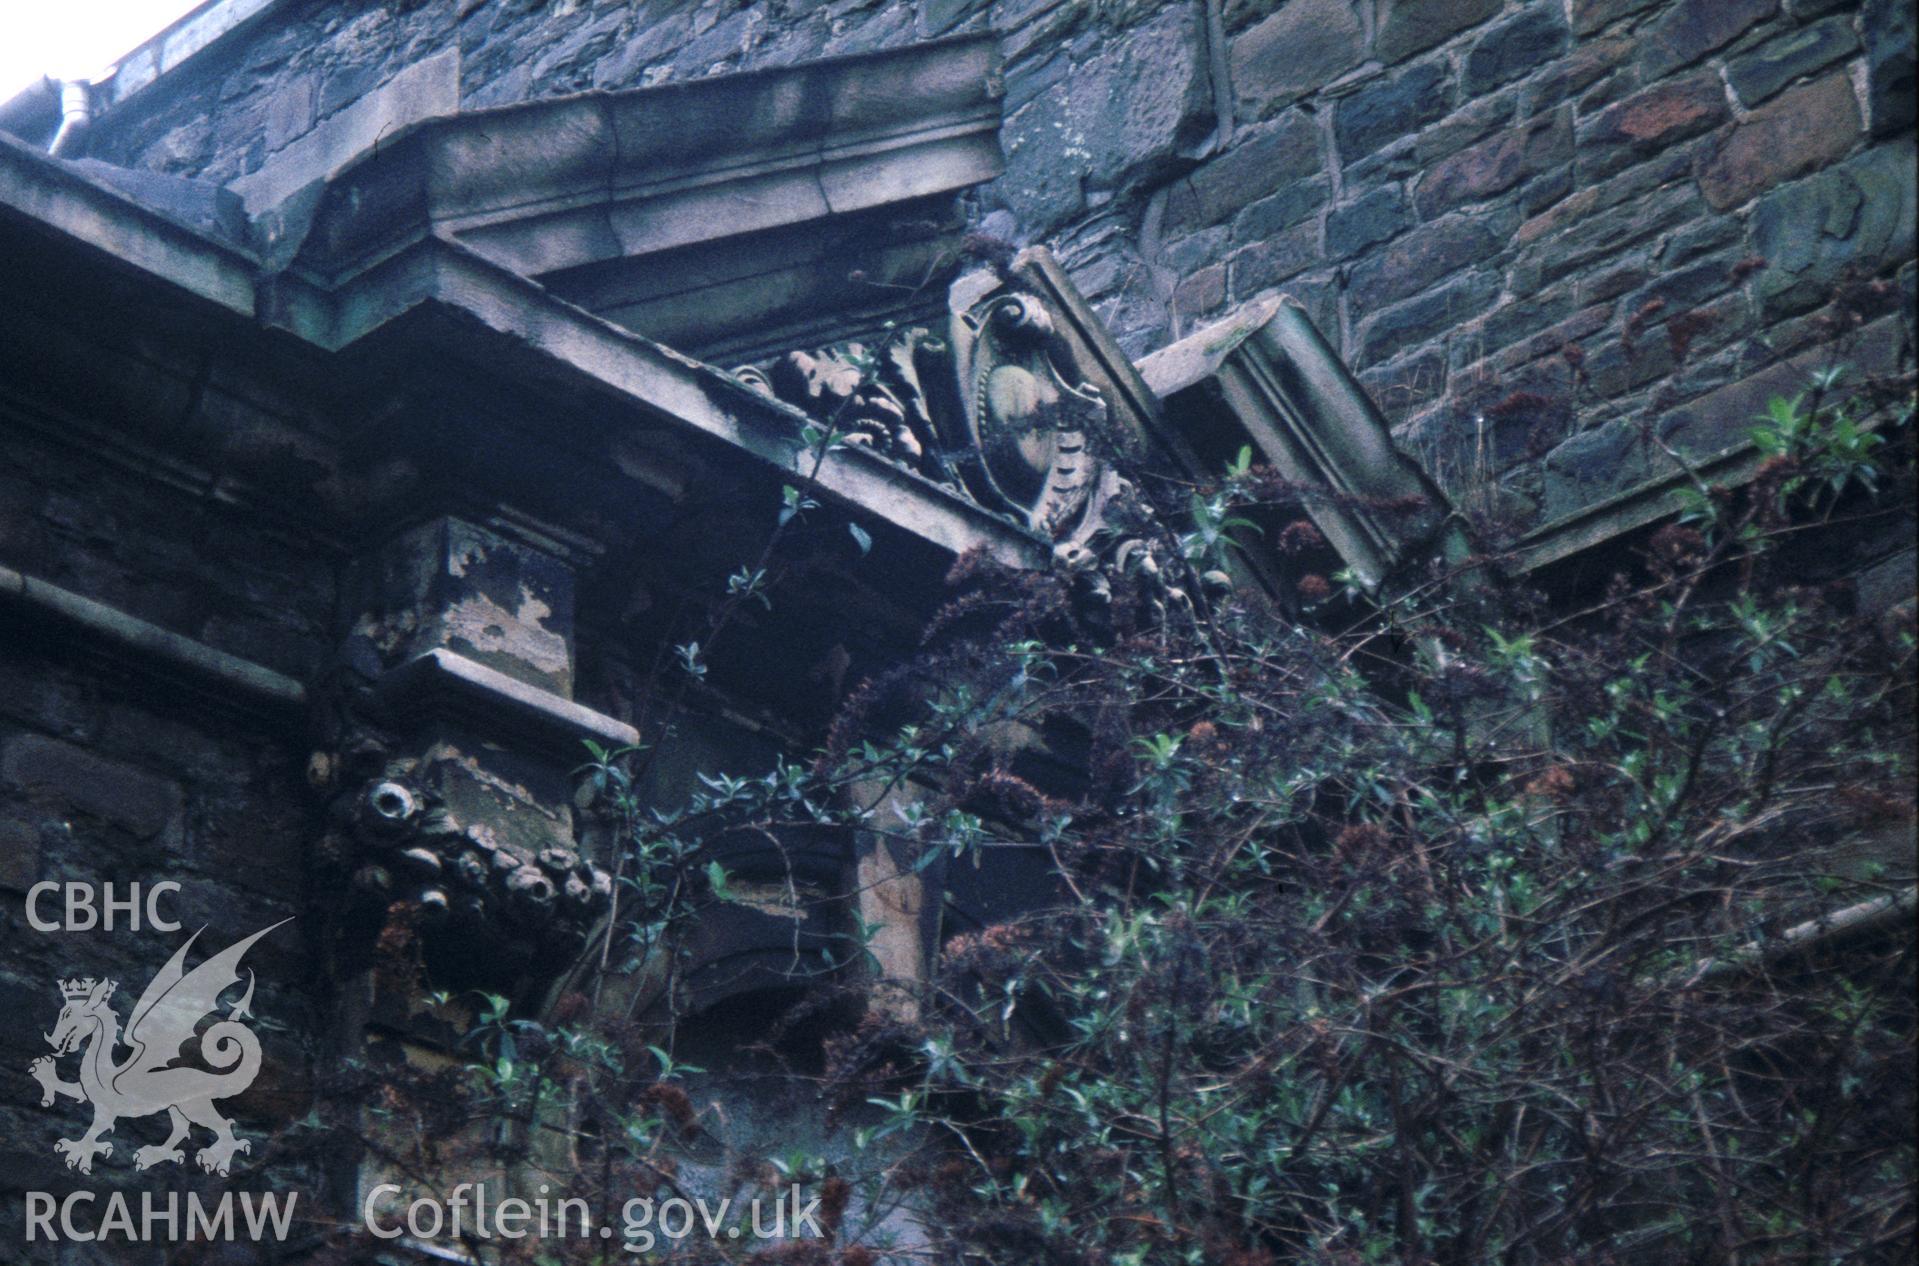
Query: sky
pixel 74 39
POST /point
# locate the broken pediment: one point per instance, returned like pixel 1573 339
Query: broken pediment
pixel 1265 378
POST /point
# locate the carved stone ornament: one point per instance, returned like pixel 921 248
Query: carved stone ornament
pixel 992 411
pixel 388 832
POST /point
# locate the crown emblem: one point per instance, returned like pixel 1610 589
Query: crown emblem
pixel 79 988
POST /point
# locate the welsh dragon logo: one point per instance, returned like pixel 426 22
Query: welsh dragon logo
pixel 149 1080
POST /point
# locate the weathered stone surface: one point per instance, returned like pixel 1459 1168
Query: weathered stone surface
pixel 1042 180
pixel 1418 259
pixel 1200 292
pixel 1292 203
pixel 1591 466
pixel 1856 217
pixel 1599 238
pixel 1426 316
pixel 1267 263
pixel 1799 131
pixel 1649 122
pixel 1698 239
pixel 291 112
pixel 1473 121
pixel 1554 340
pixel 1515 47
pixel 1142 104
pixel 1413 26
pixel 1892 69
pixel 1392 108
pixel 19 854
pixel 421 91
pixel 1301 48
pixel 1690 29
pixel 1496 165
pixel 1591 15
pixel 1765 70
pixel 1372 219
pixel 1517 317
pixel 1587 63
pixel 1259 163
pixel 1407 385
pixel 132 799
pixel 1722 419
pixel 1633 183
pixel 463 587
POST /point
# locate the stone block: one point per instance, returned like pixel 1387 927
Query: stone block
pixel 1194 251
pixel 1294 202
pixel 1592 466
pixel 1370 220
pixel 1413 26
pixel 1473 121
pixel 1143 106
pixel 132 799
pixel 1699 239
pixel 1554 339
pixel 1405 386
pixel 1515 47
pixel 1041 184
pixel 1762 72
pixel 423 90
pixel 1855 218
pixel 1266 264
pixel 1385 111
pixel 1799 131
pixel 1417 260
pixel 1650 122
pixel 1588 63
pixel 1635 182
pixel 1496 164
pixel 1426 316
pixel 1202 292
pixel 343 85
pixel 1592 15
pixel 1517 318
pixel 1298 50
pixel 1688 30
pixel 1258 165
pixel 1618 367
pixel 291 112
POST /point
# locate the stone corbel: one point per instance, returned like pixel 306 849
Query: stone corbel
pixel 452 737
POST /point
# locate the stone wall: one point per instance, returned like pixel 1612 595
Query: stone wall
pixel 111 776
pixel 1531 226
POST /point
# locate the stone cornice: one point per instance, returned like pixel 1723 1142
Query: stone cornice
pixel 443 683
pixel 433 275
pixel 60 197
pixel 549 185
